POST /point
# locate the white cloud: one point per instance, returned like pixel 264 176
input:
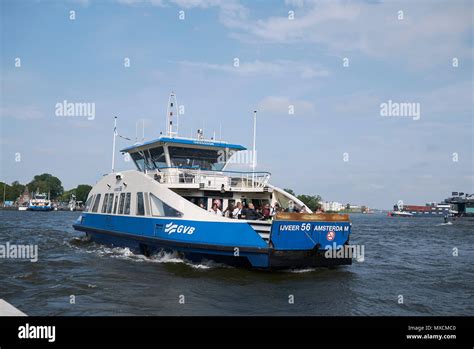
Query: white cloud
pixel 282 105
pixel 429 33
pixel 197 3
pixel 282 68
pixel 142 2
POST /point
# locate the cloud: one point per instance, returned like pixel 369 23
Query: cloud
pixel 283 68
pixel 283 105
pixel 370 28
pixel 142 2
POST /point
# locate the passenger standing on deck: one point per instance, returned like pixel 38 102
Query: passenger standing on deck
pixel 229 211
pixel 215 210
pixel 291 207
pixel 266 211
pixel 250 213
pixel 275 209
pixel 237 210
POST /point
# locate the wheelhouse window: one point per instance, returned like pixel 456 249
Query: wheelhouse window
pixel 139 160
pixel 96 203
pixel 205 159
pixel 149 159
pixel 157 157
pixel 140 205
pixel 161 209
pixel 127 203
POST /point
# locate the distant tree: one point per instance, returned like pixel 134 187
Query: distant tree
pixel 16 189
pixel 290 191
pixel 348 206
pixel 66 195
pixel 12 192
pixel 46 183
pixel 311 201
pixel 82 191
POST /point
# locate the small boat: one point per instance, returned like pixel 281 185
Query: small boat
pixel 24 200
pixel 72 203
pixel 40 202
pixel 400 214
pixel 174 199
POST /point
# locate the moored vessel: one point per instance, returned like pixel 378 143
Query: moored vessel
pixel 40 202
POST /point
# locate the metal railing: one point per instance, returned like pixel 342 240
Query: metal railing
pixel 210 179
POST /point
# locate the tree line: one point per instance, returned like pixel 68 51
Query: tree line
pixel 44 183
pixel 313 202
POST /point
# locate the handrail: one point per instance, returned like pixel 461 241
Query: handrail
pixel 199 169
pixel 212 178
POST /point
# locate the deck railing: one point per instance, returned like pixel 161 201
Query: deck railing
pixel 211 179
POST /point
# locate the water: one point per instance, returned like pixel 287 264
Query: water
pixel 410 257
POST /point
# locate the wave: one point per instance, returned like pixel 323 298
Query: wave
pixel 124 253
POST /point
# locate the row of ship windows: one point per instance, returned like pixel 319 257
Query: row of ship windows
pixel 145 204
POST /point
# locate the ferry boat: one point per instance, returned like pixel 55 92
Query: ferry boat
pixel 174 199
pixel 429 210
pixel 462 204
pixel 40 202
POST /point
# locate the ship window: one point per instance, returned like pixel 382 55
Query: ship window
pixel 147 204
pixel 89 203
pixel 205 159
pixel 104 204
pixel 139 160
pixel 109 203
pixel 148 163
pixel 140 204
pixel 127 203
pixel 122 201
pixel 115 204
pixel 158 157
pixel 161 209
pixel 96 203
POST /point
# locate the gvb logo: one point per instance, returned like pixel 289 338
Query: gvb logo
pixel 171 228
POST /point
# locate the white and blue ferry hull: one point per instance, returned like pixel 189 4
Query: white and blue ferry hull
pixel 296 240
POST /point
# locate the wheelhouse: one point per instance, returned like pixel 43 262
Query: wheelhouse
pixel 166 152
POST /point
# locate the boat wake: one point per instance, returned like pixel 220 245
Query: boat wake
pixel 124 253
pixel 448 223
pixel 300 271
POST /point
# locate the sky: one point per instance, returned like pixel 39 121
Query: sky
pixel 318 72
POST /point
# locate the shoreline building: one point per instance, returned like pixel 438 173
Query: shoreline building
pixel 332 206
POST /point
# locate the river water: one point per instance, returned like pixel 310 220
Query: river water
pixel 411 266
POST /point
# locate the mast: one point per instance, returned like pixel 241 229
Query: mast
pixel 113 145
pixel 172 113
pixel 254 163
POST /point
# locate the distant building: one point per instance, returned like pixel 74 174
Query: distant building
pixel 332 206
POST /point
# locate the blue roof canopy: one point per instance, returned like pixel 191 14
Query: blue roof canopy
pixel 185 141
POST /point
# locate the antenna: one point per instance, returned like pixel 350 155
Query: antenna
pixel 171 112
pixel 254 162
pixel 136 132
pixel 113 145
